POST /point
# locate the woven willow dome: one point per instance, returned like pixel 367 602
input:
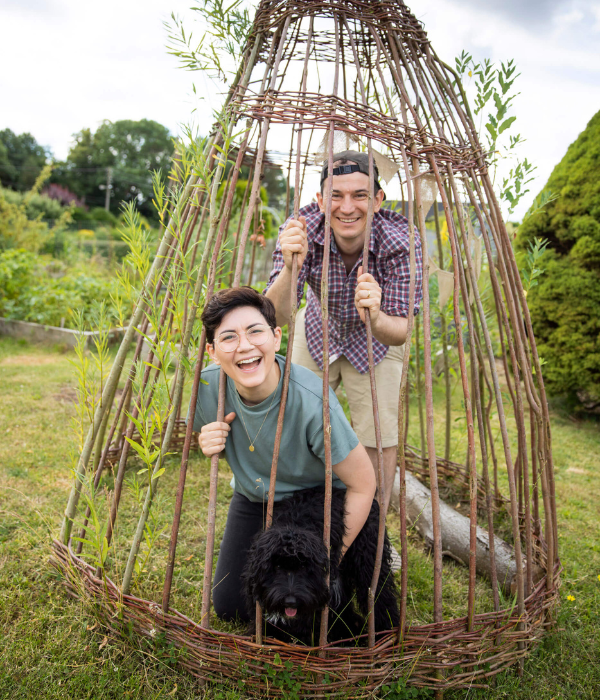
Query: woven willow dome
pixel 316 78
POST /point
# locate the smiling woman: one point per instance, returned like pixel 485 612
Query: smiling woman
pixel 243 339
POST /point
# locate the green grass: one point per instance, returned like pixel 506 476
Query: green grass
pixel 51 646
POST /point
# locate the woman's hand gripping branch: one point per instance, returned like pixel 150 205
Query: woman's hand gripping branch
pixel 213 435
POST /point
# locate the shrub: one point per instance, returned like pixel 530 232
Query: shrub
pixel 33 289
pixel 80 214
pixel 565 305
pixel 62 195
pixel 101 215
pixel 20 227
pixel 17 229
pixel 35 205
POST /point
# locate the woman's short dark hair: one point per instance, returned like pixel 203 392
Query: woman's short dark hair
pixel 228 299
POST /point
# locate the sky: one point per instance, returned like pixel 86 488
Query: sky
pixel 67 65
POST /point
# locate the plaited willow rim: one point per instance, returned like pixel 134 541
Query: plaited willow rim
pixel 438 655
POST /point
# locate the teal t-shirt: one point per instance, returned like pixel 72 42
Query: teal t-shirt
pixel 301 462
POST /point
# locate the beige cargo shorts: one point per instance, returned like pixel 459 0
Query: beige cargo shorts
pixel 358 388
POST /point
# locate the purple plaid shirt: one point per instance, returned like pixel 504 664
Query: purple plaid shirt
pixel 388 263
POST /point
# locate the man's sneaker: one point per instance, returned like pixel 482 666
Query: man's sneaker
pixel 396 560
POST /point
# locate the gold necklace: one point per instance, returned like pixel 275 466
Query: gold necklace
pixel 251 448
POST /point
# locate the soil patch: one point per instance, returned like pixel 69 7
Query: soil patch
pixel 29 360
pixel 67 394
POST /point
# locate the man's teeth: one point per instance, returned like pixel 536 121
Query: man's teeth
pixel 348 221
pixel 252 359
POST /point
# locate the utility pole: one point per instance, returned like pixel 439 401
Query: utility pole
pixel 109 172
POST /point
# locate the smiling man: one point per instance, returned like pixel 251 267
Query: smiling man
pixel 380 284
pixel 243 338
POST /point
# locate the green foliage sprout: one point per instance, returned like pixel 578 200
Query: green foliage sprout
pixel 530 272
pixel 494 94
pixel 220 46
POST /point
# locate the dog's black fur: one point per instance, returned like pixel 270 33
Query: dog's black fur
pixel 287 567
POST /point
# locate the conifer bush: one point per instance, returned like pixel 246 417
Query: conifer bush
pixel 565 304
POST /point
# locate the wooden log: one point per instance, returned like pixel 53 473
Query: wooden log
pixel 455 535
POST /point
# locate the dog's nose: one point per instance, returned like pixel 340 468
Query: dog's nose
pixel 290 601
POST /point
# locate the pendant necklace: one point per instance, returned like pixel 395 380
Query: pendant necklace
pixel 251 448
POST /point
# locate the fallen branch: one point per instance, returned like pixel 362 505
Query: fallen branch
pixel 455 535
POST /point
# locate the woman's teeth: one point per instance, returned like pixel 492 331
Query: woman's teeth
pixel 249 361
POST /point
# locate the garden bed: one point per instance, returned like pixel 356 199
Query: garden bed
pixel 40 333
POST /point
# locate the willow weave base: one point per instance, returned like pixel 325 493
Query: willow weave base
pixel 461 658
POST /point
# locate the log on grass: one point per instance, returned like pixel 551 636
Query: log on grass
pixel 456 535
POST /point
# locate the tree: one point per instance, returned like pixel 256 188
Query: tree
pixel 21 160
pixel 275 184
pixel 130 149
pixel 565 304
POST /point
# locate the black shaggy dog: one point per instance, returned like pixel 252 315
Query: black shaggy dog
pixel 287 567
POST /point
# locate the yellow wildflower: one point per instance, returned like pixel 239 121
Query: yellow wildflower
pixel 571 597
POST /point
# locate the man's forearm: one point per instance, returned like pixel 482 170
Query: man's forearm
pixel 280 294
pixel 390 330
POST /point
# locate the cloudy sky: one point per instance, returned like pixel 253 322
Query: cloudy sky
pixel 68 64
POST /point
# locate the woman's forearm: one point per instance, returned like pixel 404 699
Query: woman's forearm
pixel 358 507
pixel 356 471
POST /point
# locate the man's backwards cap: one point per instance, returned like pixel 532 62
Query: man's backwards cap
pixel 360 164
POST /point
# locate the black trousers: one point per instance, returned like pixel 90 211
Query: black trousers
pixel 244 519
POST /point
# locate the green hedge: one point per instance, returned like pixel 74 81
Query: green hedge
pixel 565 306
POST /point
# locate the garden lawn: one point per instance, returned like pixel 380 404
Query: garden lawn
pixel 52 647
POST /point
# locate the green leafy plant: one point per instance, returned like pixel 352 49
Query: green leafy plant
pixel 152 531
pixel 530 272
pixel 284 676
pixel 91 369
pixel 220 46
pixel 400 690
pixel 513 186
pixel 95 535
pixel 494 92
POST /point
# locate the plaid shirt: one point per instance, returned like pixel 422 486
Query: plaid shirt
pixel 389 264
